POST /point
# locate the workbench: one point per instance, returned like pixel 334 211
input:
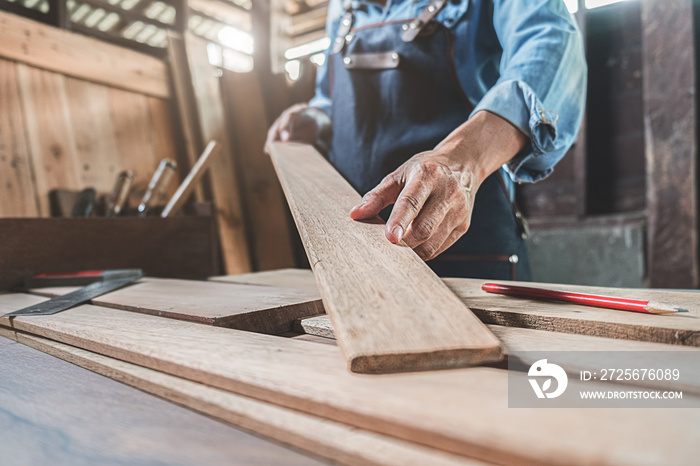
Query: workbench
pixel 51 410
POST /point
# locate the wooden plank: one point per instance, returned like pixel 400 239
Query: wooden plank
pixel 162 136
pixel 187 108
pixel 518 341
pixel 267 214
pixel 556 317
pixel 463 411
pixel 53 412
pixel 96 147
pixel 389 310
pixel 302 279
pixel 82 57
pixel 332 440
pixel 681 329
pixel 243 307
pixel 223 175
pixel 178 247
pixel 670 126
pixel 49 128
pixel 17 196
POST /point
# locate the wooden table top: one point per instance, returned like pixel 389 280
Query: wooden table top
pixel 52 412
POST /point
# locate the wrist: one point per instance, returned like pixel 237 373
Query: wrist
pixel 481 145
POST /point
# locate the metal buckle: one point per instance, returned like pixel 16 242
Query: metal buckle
pixel 411 29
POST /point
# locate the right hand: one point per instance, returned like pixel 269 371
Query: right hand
pixel 299 123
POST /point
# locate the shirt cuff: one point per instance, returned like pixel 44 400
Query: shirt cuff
pixel 516 102
pixel 322 103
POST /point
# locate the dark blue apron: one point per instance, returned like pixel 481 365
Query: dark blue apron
pixel 395 94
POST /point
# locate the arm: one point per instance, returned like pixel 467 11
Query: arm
pixel 528 120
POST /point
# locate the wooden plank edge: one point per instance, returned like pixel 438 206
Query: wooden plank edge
pixel 523 340
pixel 328 439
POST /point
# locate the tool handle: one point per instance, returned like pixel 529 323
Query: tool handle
pixel 120 193
pixel 161 179
pixel 190 182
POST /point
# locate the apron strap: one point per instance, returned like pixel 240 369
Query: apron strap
pixel 345 26
pixel 412 29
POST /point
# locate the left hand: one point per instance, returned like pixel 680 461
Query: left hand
pixel 433 192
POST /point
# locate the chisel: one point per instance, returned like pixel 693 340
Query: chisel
pixel 159 182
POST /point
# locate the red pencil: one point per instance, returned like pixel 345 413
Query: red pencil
pixel 610 302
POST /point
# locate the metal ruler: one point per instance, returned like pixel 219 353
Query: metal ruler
pixel 84 294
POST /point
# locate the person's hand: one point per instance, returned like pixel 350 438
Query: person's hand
pixel 299 123
pixel 433 192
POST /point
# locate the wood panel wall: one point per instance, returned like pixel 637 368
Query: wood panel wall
pixel 70 120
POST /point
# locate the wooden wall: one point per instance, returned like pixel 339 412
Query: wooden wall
pixel 73 120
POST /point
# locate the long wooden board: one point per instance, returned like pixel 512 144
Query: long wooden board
pixel 244 307
pixel 522 341
pixel 463 411
pixel 302 279
pixel 82 57
pixel 389 310
pixel 223 174
pixel 338 442
pixel 52 412
pixel 681 329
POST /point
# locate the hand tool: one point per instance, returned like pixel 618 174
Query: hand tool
pixel 609 302
pixel 187 186
pixel 44 280
pixel 67 301
pixel 159 182
pixel 84 204
pixel 120 193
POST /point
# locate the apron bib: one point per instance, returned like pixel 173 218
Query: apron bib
pixel 395 93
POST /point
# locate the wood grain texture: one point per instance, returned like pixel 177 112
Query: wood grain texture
pixel 670 128
pixel 97 158
pixel 389 310
pixel 49 129
pixel 82 57
pixel 463 411
pixel 266 210
pixel 302 279
pixel 17 197
pixel 338 442
pixel 680 329
pixel 223 174
pixel 244 307
pixel 52 412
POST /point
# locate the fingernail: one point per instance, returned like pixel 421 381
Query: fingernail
pixel 359 206
pixel 284 135
pixel 398 233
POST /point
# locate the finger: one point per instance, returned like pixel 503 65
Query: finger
pixel 429 223
pixel 429 248
pixel 456 234
pixel 408 204
pixel 374 201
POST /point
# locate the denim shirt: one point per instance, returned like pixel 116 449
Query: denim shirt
pixel 520 59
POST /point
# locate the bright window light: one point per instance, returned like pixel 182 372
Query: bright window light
pixel 572 5
pixel 307 49
pixel 293 69
pixel 237 61
pixel 590 4
pixel 236 39
pixel 214 55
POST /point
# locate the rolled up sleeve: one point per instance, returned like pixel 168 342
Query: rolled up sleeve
pixel 542 84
